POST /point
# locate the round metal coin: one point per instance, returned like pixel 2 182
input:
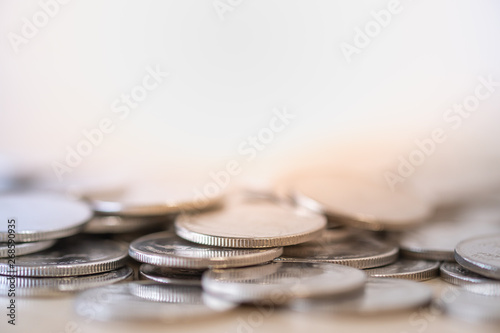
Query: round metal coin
pixel 361 202
pixel 480 255
pixel 69 257
pixel 379 296
pixel 455 274
pixel 167 249
pixel 40 216
pixel 56 286
pixel 149 301
pixel 24 248
pixel 280 282
pixel 251 225
pixel 180 276
pixel 343 247
pixel 417 270
pixel 472 306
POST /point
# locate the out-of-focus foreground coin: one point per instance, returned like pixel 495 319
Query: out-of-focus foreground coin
pixel 41 216
pixel 417 270
pixel 251 225
pixel 180 276
pixel 69 257
pixel 148 301
pixel 345 247
pixel 472 306
pixel 123 224
pixel 24 248
pixel 152 199
pixel 455 274
pixel 380 295
pixel 360 202
pixel 480 255
pixel 436 240
pixel 280 282
pixel 57 286
pixel 167 249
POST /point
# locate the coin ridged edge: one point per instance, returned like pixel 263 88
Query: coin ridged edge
pixel 37 236
pixel 246 243
pixel 63 270
pixel 29 248
pixel 422 275
pixel 202 263
pixel 360 263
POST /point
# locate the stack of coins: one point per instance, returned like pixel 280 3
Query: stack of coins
pixel 43 255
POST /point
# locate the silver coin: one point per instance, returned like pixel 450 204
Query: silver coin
pixel 437 239
pixel 360 202
pixel 491 288
pixel 69 257
pixel 179 276
pixel 417 270
pixel 251 225
pixel 480 255
pixel 19 249
pixel 167 249
pixel 148 301
pixel 379 296
pixel 280 282
pixel 153 199
pixel 472 306
pixel 359 250
pixel 120 224
pixel 57 286
pixel 455 274
pixel 41 216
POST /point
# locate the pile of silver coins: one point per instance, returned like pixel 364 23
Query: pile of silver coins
pixel 336 243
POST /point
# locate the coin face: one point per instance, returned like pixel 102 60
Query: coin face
pixel 280 282
pixel 41 216
pixel 149 301
pixel 251 225
pixel 120 224
pixel 167 249
pixel 418 270
pixel 69 257
pixel 24 248
pixel 153 199
pixel 57 286
pixel 343 247
pixel 437 239
pixel 360 202
pixel 480 255
pixel 455 274
pixel 179 276
pixel 379 296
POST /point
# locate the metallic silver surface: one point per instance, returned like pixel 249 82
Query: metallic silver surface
pixel 179 276
pixel 280 282
pixel 120 224
pixel 167 249
pixel 251 225
pixel 417 270
pixel 472 307
pixel 481 255
pixel 455 274
pixel 69 257
pixel 42 216
pixel 25 248
pixel 359 250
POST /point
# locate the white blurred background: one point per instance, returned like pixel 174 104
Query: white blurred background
pixel 227 76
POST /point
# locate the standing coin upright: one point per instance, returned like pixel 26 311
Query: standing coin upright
pixel 69 257
pixel 345 247
pixel 167 249
pixel 280 282
pixel 251 225
pixel 38 216
pixel 480 255
pixel 361 203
